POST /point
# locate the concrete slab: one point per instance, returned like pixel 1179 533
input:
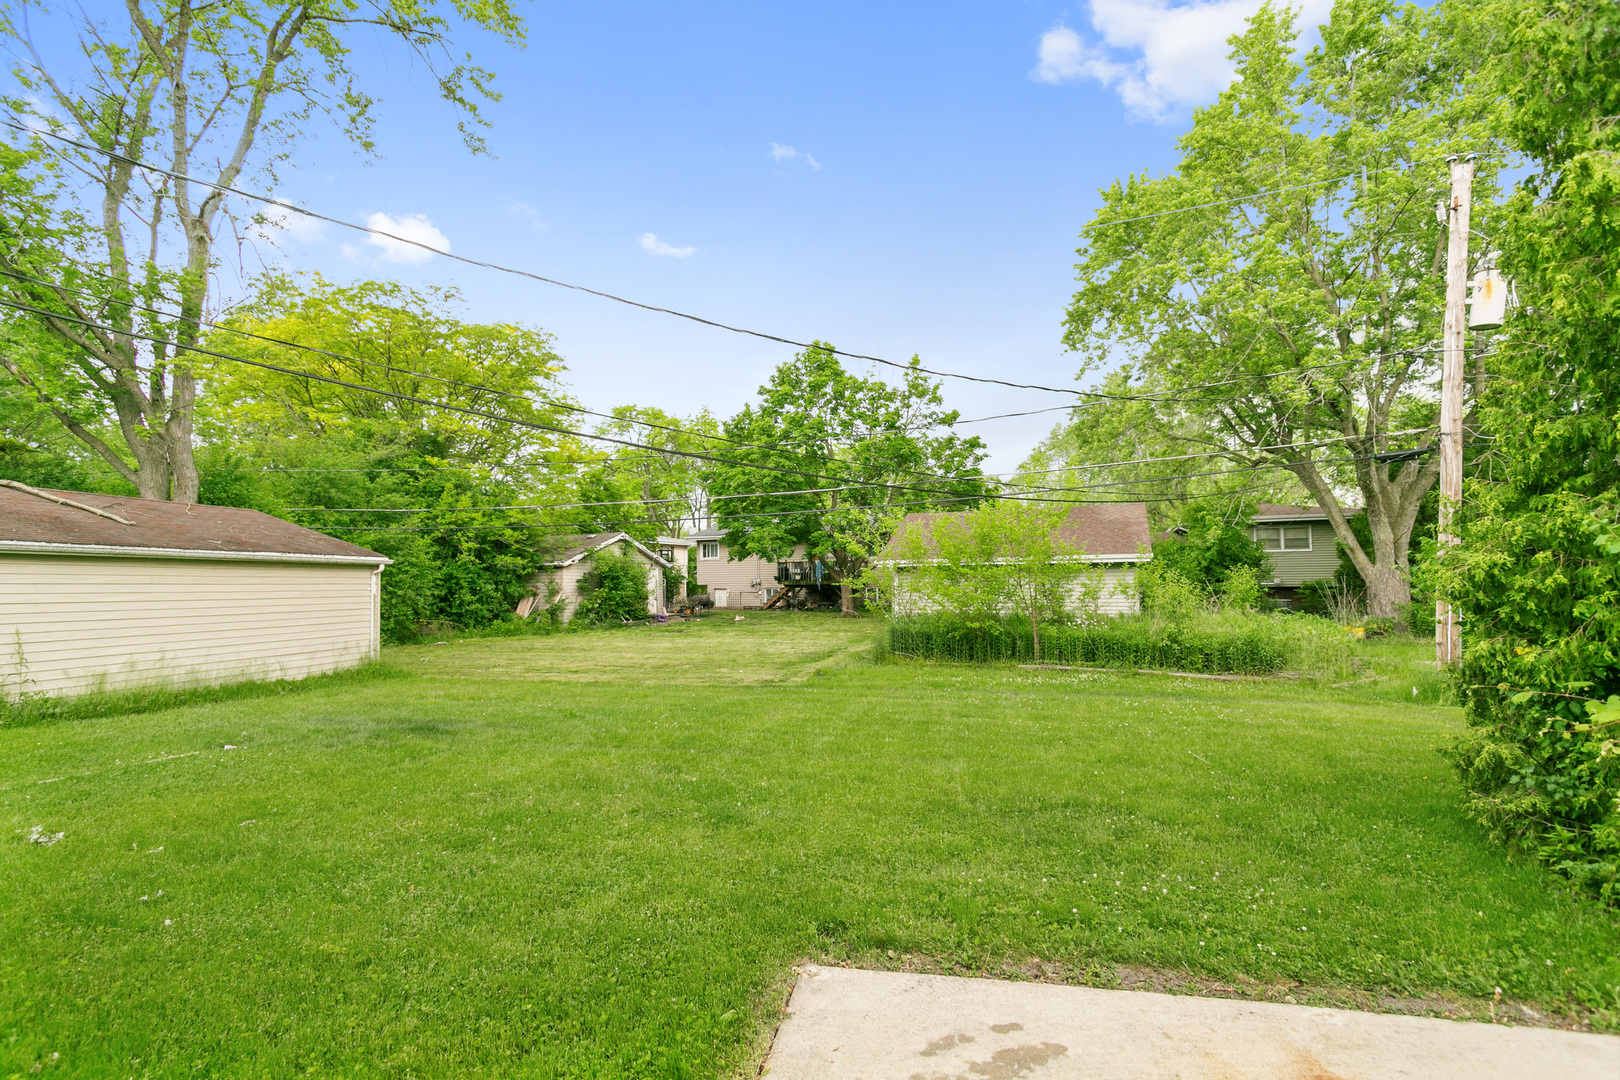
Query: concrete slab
pixel 877 1025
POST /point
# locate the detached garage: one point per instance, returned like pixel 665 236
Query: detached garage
pixel 103 592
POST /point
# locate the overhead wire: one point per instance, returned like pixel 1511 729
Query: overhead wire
pixel 271 201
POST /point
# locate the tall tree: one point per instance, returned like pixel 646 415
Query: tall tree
pixel 656 488
pixel 211 91
pixel 848 455
pixel 1537 574
pixel 1284 283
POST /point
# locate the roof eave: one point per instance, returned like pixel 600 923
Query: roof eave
pixel 118 551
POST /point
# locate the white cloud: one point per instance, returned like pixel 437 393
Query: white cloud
pixel 780 153
pixel 414 227
pixel 527 213
pixel 1157 55
pixel 653 246
pixel 279 220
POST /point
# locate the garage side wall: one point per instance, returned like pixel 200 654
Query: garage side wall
pixel 71 624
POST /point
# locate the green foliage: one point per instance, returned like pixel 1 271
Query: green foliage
pixel 1537 575
pixel 874 440
pixel 221 91
pixel 1240 589
pixel 1132 642
pixel 1168 595
pixel 1262 322
pixel 1214 544
pixel 1006 557
pixel 614 590
pixel 349 463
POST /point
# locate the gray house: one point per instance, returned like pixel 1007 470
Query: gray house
pixel 1300 546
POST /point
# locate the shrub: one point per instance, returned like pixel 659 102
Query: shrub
pixel 614 590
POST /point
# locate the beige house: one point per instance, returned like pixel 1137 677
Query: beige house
pixel 1114 536
pixel 106 592
pixel 1300 546
pixel 748 582
pixel 557 584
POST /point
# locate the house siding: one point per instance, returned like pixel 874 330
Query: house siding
pixel 567 579
pixel 1291 569
pixel 739 578
pixel 1118 595
pixel 74 623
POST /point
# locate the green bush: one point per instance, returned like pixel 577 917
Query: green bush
pixel 614 590
pixel 1253 648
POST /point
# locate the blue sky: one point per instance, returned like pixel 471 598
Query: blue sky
pixel 896 179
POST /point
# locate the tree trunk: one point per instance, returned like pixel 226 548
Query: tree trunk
pixel 846 599
pixel 1392 507
pixel 1035 630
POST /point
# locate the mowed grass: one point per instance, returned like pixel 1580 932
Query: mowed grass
pixel 499 868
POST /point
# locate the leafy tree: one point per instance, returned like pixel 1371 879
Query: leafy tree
pixel 615 589
pixel 851 455
pixel 1299 325
pixel 1107 446
pixel 421 477
pixel 651 492
pixel 1212 545
pixel 1006 557
pixel 1537 574
pixel 212 90
pixel 407 342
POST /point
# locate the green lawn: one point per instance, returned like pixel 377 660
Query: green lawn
pixel 600 854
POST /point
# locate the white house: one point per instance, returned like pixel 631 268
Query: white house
pixel 557 583
pixel 108 592
pixel 1114 536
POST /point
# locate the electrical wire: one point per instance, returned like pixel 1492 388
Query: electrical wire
pixel 270 201
pixel 482 413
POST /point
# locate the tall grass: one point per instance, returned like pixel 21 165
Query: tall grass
pixel 1130 641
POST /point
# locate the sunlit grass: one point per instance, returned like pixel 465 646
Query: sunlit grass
pixel 506 873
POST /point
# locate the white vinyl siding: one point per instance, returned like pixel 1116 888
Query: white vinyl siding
pixel 1118 595
pixel 75 623
pixel 565 581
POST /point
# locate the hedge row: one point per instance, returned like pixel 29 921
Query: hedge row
pixel 1125 642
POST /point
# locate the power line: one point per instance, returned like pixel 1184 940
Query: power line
pixel 270 201
pixel 1099 396
pixel 482 413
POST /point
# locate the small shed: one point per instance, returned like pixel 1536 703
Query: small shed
pixel 557 583
pixel 106 592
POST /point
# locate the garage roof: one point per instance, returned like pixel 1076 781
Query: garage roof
pixel 44 521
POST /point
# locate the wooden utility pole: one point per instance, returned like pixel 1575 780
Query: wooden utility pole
pixel 1454 363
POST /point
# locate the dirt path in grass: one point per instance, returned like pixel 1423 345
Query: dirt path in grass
pixel 766 647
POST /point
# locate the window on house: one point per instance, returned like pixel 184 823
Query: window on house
pixel 709 549
pixel 1284 537
pixel 667 554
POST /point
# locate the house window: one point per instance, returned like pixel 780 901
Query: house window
pixel 667 554
pixel 709 549
pixel 1284 537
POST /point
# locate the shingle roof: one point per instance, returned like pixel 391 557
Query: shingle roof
pixel 1279 510
pixel 31 522
pixel 570 549
pixel 1113 532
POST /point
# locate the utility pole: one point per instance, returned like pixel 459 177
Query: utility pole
pixel 1454 364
